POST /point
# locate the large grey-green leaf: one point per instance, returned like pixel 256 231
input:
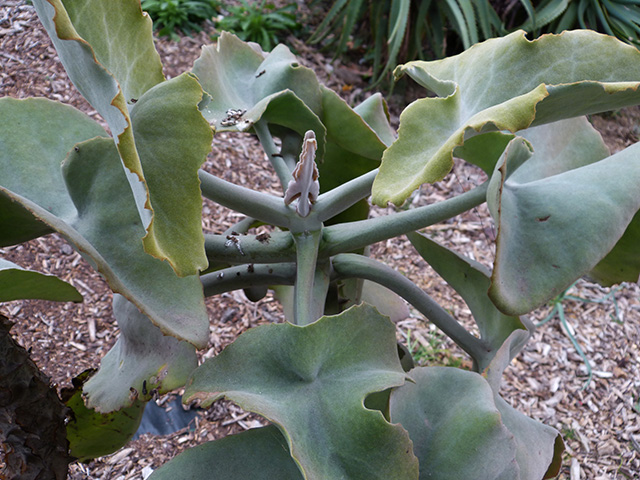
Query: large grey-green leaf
pixel 97 213
pixel 93 79
pixel 504 84
pixel 121 37
pixel 559 211
pixel 538 447
pixel 18 283
pixel 622 263
pixel 312 381
pixel 107 49
pixel 239 77
pixel 35 136
pixel 461 428
pixel 171 153
pixel 257 454
pixel 471 280
pixel 455 427
pixel 141 361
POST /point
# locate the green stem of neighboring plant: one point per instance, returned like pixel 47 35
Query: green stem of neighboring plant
pixel 259 205
pixel 307 308
pixel 351 236
pixel 576 345
pixel 245 276
pixel 277 161
pixel 348 265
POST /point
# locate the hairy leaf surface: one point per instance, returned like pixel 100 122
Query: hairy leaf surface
pixel 89 202
pixel 454 425
pixel 141 361
pixel 108 52
pixel 312 381
pixel 461 428
pixel 503 84
pixel 559 211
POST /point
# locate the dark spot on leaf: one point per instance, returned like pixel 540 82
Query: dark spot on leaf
pixel 543 219
pixel 250 268
pixel 76 149
pixel 260 73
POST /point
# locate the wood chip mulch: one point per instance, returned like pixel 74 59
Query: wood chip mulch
pixel 600 419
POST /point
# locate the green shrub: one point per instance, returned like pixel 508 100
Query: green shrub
pixel 620 18
pixel 187 16
pixel 259 22
pixel 392 31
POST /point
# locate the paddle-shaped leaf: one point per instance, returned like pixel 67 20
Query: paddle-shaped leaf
pixel 461 428
pixel 538 447
pixel 107 49
pixel 97 213
pixel 559 211
pixel 312 381
pixel 503 84
pixel 246 85
pixel 258 454
pixel 94 80
pixel 142 361
pixel 18 283
pixel 171 153
pixel 454 425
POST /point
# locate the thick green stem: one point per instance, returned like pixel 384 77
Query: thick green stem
pixel 341 198
pixel 277 161
pixel 274 248
pixel 347 237
pixel 245 276
pixel 259 205
pixel 243 226
pixel 350 265
pixel 307 308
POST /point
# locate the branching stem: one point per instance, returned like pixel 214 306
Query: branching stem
pixel 347 237
pixel 339 199
pixel 350 265
pixel 259 205
pixel 277 161
pixel 245 276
